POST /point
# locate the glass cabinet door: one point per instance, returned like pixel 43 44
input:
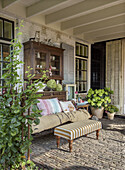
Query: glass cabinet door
pixel 55 65
pixel 40 62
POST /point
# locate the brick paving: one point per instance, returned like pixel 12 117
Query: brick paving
pixel 88 153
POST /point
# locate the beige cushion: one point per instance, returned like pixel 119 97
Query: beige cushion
pixel 51 121
pixel 80 115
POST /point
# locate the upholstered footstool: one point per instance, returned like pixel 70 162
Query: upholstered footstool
pixel 74 130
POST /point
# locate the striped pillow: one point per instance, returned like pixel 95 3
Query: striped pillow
pixel 49 106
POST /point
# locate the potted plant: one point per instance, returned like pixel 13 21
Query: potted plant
pixel 51 84
pixel 111 110
pixel 58 87
pixel 98 99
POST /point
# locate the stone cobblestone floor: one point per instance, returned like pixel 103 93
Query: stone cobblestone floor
pixel 107 153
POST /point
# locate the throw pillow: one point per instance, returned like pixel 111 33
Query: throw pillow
pixel 49 106
pixel 67 106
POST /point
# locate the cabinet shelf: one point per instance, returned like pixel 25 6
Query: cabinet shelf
pixel 40 59
pixel 40 68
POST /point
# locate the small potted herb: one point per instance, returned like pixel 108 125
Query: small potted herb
pixel 111 110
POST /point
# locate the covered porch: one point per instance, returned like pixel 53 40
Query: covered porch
pixel 77 26
pixel 69 23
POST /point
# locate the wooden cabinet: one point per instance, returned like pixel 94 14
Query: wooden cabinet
pixel 54 94
pixel 43 57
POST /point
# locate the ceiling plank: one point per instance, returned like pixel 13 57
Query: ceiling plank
pixel 7 3
pixel 100 25
pixel 75 10
pixel 110 37
pixel 94 17
pixel 42 6
pixel 105 31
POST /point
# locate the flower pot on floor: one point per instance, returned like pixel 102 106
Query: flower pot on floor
pixel 97 112
pixel 110 115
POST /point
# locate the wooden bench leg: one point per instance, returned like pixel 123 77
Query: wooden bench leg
pixel 97 133
pixel 70 145
pixel 58 141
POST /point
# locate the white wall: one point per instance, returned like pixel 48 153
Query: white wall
pixel 28 31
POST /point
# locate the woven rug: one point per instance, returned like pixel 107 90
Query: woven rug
pixel 88 153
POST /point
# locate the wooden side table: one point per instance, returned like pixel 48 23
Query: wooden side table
pixel 83 106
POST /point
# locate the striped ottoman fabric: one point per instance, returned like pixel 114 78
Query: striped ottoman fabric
pixel 74 130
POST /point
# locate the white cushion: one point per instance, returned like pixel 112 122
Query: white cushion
pixel 67 106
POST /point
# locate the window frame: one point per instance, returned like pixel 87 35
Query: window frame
pixel 79 70
pixel 12 22
pixel 2 61
pixel 5 41
pixel 81 58
pixel 83 46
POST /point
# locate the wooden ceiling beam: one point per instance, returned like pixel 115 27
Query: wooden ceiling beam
pixel 76 10
pixel 116 20
pixel 109 37
pixel 105 31
pixel 94 17
pixel 7 3
pixel 42 6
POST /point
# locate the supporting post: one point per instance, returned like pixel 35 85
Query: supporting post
pixel 28 135
pixel 97 133
pixel 58 141
pixel 70 145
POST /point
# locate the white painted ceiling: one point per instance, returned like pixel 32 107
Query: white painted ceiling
pixel 91 20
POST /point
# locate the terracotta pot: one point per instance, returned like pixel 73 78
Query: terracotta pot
pixel 111 115
pixel 97 112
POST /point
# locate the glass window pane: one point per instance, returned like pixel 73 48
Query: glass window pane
pixel 0 52
pixel 84 75
pixel 0 70
pixel 85 51
pixel 6 51
pixel 84 65
pixel 7 30
pixel 4 66
pixel 77 49
pixel 1 28
pixel 0 87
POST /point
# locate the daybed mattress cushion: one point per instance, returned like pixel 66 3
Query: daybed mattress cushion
pixel 51 121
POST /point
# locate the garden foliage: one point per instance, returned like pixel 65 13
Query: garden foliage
pixel 13 103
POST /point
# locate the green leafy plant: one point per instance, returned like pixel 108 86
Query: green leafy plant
pixel 98 98
pixel 51 84
pixel 13 103
pixel 111 109
pixel 59 87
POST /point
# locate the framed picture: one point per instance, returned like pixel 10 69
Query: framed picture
pixel 70 89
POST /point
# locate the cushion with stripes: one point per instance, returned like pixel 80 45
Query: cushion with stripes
pixel 49 106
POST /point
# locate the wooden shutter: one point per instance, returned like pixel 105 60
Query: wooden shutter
pixel 68 64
